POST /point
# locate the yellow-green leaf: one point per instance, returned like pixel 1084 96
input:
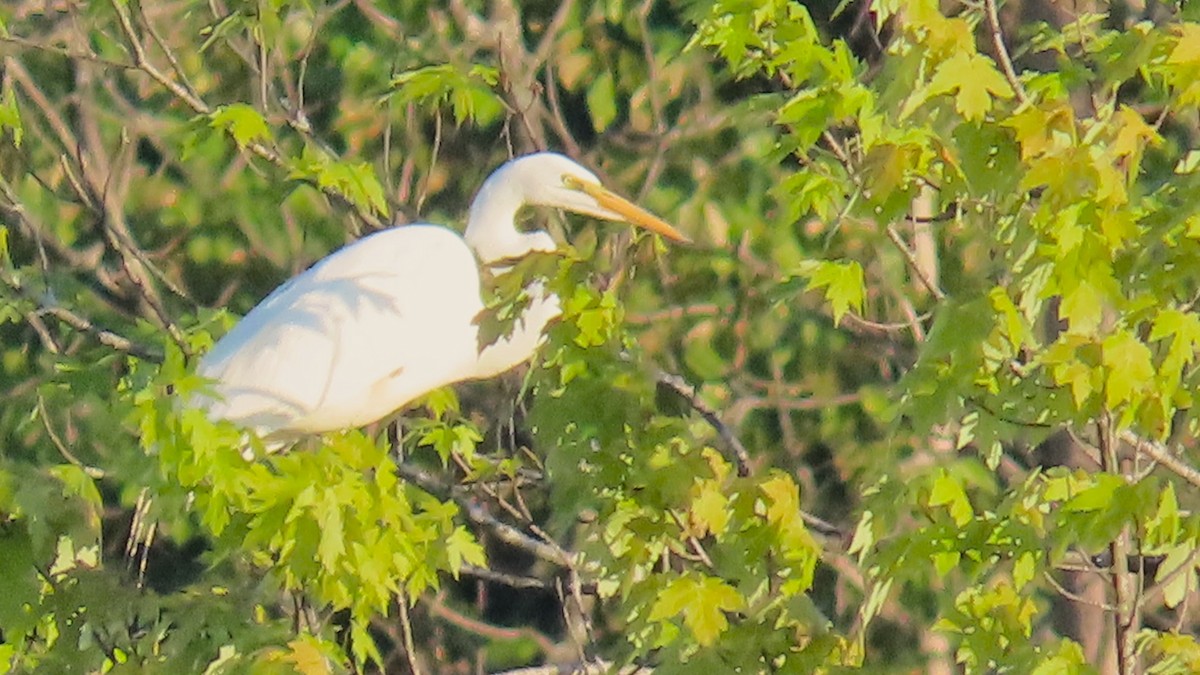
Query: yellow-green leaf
pixel 974 79
pixel 1187 49
pixel 461 548
pixel 710 509
pixel 1130 368
pixel 243 122
pixel 784 495
pixel 702 601
pixel 948 491
pixel 842 281
pixel 602 101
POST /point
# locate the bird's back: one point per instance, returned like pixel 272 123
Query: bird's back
pixel 334 347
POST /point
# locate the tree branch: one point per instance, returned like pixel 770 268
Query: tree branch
pixel 1164 457
pixel 1006 63
pixel 480 516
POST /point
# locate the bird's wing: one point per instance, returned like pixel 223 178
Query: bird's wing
pixel 353 338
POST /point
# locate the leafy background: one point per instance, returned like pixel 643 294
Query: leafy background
pixel 919 398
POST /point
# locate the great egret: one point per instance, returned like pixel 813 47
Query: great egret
pixel 393 316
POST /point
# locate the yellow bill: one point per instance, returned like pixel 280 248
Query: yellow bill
pixel 629 212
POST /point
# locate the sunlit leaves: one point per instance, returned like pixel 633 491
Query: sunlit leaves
pixel 244 123
pixel 1175 652
pixel 974 81
pixel 990 621
pixel 355 180
pixel 948 492
pixel 710 508
pixel 843 283
pixel 311 656
pixel 509 291
pixel 702 601
pixel 1187 48
pixel 10 116
pixel 338 524
pixel 602 101
pixel 462 549
pixel 469 93
pixel 1130 370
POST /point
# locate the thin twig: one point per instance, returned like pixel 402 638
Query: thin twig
pixel 1164 457
pixel 914 264
pixel 143 63
pixel 585 668
pixel 479 515
pixel 516 581
pixel 410 648
pixel 1125 614
pixel 1006 63
pixel 106 337
pixel 1071 595
pixel 91 471
pixel 741 458
pixel 487 630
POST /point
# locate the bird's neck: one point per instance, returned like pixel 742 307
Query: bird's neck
pixel 516 348
pixel 491 225
pixel 493 236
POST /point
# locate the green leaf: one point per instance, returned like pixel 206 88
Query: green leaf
pixel 602 101
pixel 843 282
pixel 710 509
pixel 1024 569
pixel 333 542
pixel 948 491
pixel 18 582
pixel 470 94
pixel 1178 574
pixel 703 601
pixel 784 497
pixel 241 121
pixel 461 548
pixel 1083 307
pixel 1130 369
pixel 10 116
pixel 356 182
pixel 975 80
pixel 1096 496
pixel 1067 660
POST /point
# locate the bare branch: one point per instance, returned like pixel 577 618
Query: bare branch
pixel 1164 457
pixel 91 471
pixel 589 668
pixel 81 324
pixel 1006 63
pixel 914 264
pixel 479 515
pixel 741 458
pixel 439 609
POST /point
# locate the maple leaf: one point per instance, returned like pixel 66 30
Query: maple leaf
pixel 976 81
pixel 843 283
pixel 1133 133
pixel 1187 50
pixel 1130 368
pixel 948 491
pixel 702 601
pixel 710 509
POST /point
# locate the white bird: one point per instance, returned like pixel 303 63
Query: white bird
pixel 394 315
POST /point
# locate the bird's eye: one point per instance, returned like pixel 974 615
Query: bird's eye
pixel 572 182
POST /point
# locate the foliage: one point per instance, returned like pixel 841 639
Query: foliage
pixel 942 298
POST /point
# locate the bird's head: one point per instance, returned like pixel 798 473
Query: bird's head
pixel 551 179
pixel 545 179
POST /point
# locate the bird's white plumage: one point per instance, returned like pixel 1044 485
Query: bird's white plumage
pixel 393 316
pixel 333 347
